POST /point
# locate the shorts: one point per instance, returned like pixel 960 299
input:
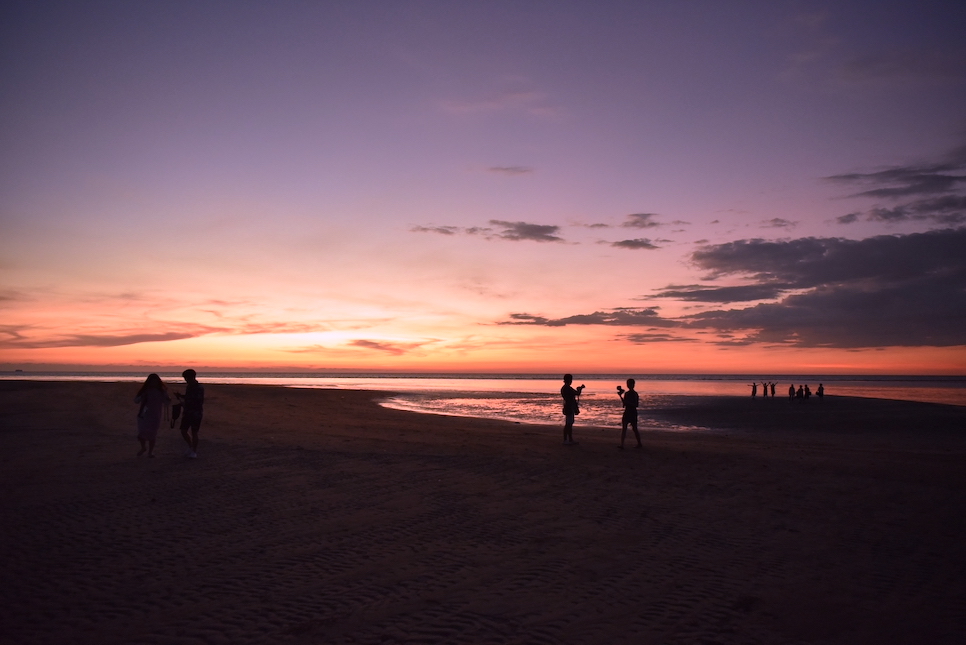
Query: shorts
pixel 191 420
pixel 630 417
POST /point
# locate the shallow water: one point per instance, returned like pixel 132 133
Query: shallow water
pixel 536 398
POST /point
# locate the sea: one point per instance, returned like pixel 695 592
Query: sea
pixel 535 398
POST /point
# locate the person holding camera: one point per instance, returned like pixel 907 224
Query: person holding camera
pixel 571 407
pixel 630 400
pixel 192 402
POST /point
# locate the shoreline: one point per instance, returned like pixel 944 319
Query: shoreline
pixel 318 515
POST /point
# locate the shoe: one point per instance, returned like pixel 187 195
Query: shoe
pixel 193 454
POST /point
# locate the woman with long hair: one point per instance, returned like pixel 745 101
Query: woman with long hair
pixel 154 400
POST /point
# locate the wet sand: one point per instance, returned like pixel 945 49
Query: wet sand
pixel 316 516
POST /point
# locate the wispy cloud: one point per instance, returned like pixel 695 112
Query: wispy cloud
pixel 933 192
pixel 905 66
pixel 396 349
pixel 510 170
pixel 524 101
pixel 741 293
pixel 500 230
pixel 778 222
pixel 645 338
pixel 622 316
pixel 442 230
pixel 92 340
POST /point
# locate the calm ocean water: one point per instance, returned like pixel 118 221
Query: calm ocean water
pixel 535 398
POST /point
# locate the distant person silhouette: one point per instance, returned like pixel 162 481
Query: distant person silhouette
pixel 154 399
pixel 791 392
pixel 630 400
pixel 571 408
pixel 764 389
pixel 820 392
pixel 808 393
pixel 193 402
pixel 754 389
pixel 773 390
pixel 800 394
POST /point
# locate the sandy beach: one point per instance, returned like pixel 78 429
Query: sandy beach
pixel 317 516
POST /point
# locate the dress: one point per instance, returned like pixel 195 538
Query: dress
pixel 150 413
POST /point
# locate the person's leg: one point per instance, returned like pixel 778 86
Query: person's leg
pixel 150 447
pixel 637 434
pixel 623 432
pixel 143 448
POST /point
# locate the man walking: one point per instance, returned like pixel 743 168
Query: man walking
pixel 193 401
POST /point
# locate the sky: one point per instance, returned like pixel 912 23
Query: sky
pixel 641 187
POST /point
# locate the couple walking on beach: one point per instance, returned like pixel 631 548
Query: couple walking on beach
pixel 571 407
pixel 155 402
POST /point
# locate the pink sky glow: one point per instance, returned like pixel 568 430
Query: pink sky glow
pixel 524 187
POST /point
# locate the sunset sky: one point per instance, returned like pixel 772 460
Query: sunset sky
pixel 648 187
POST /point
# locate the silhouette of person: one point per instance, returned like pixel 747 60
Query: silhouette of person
pixel 570 408
pixel 773 390
pixel 800 394
pixel 754 389
pixel 154 399
pixel 630 400
pixel 820 391
pixel 764 389
pixel 193 401
pixel 791 392
pixel 808 393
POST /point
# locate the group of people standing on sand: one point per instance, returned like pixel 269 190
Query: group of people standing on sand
pixel 630 400
pixel 155 405
pixel 802 393
pixel 765 386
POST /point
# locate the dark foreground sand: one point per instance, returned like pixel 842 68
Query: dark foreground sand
pixel 318 517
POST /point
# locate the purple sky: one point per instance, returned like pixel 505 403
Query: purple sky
pixel 434 184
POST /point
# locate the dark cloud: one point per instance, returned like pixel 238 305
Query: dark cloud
pixel 640 243
pixel 518 231
pixel 778 222
pixel 514 231
pixel 643 339
pixel 623 316
pixel 882 291
pixel 744 293
pixel 948 209
pixel 442 230
pixel 848 219
pixel 641 220
pixel 510 170
pixel 812 262
pixel 922 180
